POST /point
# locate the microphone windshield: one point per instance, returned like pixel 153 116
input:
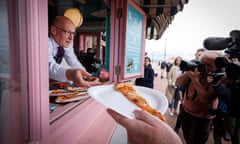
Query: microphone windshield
pixel 216 43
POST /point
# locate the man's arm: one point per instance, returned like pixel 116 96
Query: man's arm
pixel 72 59
pixel 204 92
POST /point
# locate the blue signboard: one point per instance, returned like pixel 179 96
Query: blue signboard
pixel 4 47
pixel 133 52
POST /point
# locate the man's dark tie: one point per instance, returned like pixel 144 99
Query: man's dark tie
pixel 59 55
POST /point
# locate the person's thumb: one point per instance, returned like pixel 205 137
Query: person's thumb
pixel 146 117
pixel 122 120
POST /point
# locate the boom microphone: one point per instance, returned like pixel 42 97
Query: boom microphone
pixel 216 43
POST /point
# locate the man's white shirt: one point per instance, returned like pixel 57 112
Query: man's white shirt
pixel 58 71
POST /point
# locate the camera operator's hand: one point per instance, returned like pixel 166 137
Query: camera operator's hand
pixel 193 75
pixel 229 59
pixel 199 87
pixel 184 78
pixel 216 78
pixel 211 80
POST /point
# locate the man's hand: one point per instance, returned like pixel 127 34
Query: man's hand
pixel 215 78
pixel 193 75
pixel 81 77
pixel 146 129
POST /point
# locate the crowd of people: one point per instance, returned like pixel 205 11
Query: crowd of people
pixel 198 93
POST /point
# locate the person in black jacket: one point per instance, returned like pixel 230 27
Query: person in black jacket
pixel 147 80
pixel 148 73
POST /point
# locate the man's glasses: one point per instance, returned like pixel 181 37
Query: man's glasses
pixel 59 56
pixel 68 33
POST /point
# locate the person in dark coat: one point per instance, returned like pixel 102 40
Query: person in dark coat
pixel 147 80
pixel 148 73
pixel 163 66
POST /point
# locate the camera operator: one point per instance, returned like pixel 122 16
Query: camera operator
pixel 180 91
pixel 231 45
pixel 219 82
pixel 199 98
pixel 232 119
pixel 228 107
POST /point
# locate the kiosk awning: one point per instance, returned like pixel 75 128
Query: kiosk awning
pixel 160 13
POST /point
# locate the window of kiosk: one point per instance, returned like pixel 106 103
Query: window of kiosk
pixel 11 92
pixel 4 49
pixel 90 46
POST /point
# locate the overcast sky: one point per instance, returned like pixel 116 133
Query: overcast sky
pixel 198 20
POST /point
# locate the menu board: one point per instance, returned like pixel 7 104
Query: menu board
pixel 134 37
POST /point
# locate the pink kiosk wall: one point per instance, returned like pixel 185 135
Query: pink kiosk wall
pixel 25 106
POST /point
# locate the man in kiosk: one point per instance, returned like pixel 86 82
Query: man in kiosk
pixel 60 43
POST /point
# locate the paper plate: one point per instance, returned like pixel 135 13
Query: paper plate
pixel 109 97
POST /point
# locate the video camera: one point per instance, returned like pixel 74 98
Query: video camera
pixel 231 46
pixel 192 65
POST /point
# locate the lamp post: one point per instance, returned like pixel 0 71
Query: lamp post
pixel 164 56
pixel 152 56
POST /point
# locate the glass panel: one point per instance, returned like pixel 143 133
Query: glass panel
pixel 10 105
pixel 4 67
